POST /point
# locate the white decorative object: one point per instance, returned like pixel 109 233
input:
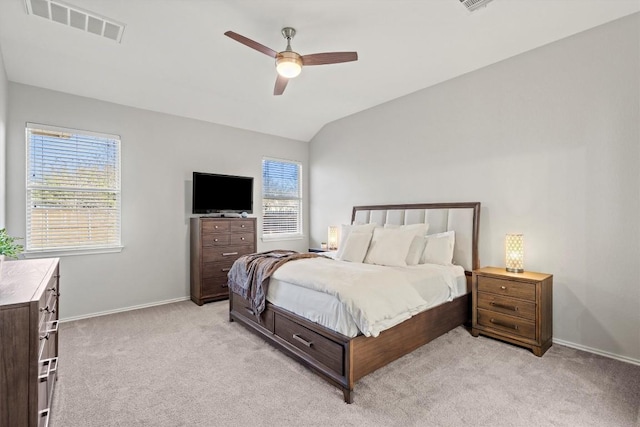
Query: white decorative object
pixel 514 253
pixel 332 238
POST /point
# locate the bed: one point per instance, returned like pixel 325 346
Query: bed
pixel 341 355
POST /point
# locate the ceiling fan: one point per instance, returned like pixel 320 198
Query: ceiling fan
pixel 289 63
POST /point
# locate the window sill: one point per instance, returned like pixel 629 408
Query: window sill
pixel 282 238
pixel 71 252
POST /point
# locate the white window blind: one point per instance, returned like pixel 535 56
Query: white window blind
pixel 73 189
pixel 281 199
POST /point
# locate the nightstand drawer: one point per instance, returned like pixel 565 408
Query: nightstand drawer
pixel 502 322
pixel 505 305
pixel 509 288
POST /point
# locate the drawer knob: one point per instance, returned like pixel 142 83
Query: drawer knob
pixel 302 340
pixel 225 269
pixel 242 238
pixel 229 253
pixel 215 240
pixel 504 288
pixel 505 325
pixel 242 226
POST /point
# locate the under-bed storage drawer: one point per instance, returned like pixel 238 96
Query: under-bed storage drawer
pixel 322 349
pixel 242 307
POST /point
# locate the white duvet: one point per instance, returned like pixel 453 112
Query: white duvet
pixel 376 297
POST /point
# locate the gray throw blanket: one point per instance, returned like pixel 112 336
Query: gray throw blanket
pixel 249 274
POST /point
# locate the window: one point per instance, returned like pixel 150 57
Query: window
pixel 281 199
pixel 73 190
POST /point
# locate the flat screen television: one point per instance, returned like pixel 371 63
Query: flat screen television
pixel 213 193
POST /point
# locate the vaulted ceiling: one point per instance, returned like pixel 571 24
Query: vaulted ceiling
pixel 174 58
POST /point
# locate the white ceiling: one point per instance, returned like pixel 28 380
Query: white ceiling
pixel 175 59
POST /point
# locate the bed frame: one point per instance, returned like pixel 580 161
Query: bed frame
pixel 342 360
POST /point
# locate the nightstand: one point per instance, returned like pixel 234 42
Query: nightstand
pixel 513 307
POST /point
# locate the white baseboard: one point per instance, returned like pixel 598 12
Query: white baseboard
pixel 596 351
pixel 120 310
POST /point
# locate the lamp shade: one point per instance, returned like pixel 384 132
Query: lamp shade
pixel 332 238
pixel 514 253
pixel 288 64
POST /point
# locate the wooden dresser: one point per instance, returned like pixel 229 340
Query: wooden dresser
pixel 29 291
pixel 513 307
pixel 215 244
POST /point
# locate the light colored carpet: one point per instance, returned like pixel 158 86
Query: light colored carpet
pixel 184 365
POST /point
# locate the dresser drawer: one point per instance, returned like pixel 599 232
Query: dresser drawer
pixel 217 268
pixel 503 322
pixel 215 227
pixel 215 285
pixel 508 288
pixel 46 381
pixel 505 305
pixel 241 239
pixel 322 349
pixel 226 253
pixel 216 239
pixel 242 226
pixel 242 307
pixel 47 339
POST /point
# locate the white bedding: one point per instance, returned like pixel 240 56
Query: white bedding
pixel 352 297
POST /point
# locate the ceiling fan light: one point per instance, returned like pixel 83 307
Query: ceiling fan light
pixel 288 64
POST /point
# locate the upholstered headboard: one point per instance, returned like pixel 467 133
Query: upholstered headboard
pixel 463 218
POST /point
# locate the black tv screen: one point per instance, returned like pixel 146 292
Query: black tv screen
pixel 213 193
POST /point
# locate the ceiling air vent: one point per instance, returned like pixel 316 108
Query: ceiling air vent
pixel 75 17
pixel 472 5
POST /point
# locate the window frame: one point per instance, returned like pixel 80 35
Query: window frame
pixel 71 250
pixel 299 235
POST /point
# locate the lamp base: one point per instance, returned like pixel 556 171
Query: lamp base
pixel 515 270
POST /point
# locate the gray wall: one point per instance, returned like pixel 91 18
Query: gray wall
pixel 548 142
pixel 159 153
pixel 4 99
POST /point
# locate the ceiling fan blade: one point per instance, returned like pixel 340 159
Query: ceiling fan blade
pixel 252 44
pixel 329 58
pixel 281 83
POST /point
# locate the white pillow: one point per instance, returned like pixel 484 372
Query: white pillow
pixel 355 248
pixel 419 241
pixel 389 246
pixel 346 229
pixel 439 249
